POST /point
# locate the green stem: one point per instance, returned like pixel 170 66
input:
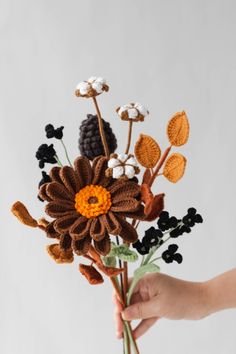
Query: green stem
pixel 66 152
pixel 155 259
pixel 130 337
pixel 58 161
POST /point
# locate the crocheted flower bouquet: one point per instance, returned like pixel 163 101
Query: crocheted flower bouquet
pixel 97 203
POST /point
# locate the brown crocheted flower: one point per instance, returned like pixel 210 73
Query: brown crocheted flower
pixel 88 205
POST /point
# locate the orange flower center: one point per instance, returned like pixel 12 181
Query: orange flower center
pixel 92 201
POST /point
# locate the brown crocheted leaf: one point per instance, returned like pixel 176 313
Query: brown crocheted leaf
pixel 110 271
pixel 91 274
pixel 95 255
pixel 174 167
pixel 147 151
pixel 146 194
pixel 178 129
pixel 59 255
pixel 155 207
pixel 22 214
pixel 146 176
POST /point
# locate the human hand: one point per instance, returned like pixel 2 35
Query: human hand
pixel 159 295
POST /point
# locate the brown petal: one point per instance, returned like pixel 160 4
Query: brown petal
pixel 69 179
pixel 124 189
pixel 103 247
pixel 147 176
pixel 59 255
pixel 55 174
pixel 97 229
pixel 91 274
pixel 56 191
pixel 80 228
pixel 110 271
pixel 23 215
pixel 128 232
pixel 136 215
pixel 111 223
pixel 125 204
pixel 51 232
pixel 155 207
pixel 94 254
pixel 83 171
pixel 81 247
pixel 59 208
pixel 63 224
pixel 43 192
pixel 65 242
pixel 99 168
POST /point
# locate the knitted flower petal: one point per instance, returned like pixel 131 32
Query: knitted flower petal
pixel 43 192
pixel 80 228
pixel 103 247
pixel 97 87
pixel 59 255
pixel 128 232
pixel 63 224
pixel 132 161
pixel 120 204
pixel 125 188
pixel 69 179
pixel 55 174
pixel 50 231
pixel 129 171
pixel 97 229
pixel 81 247
pixel 65 242
pixel 57 191
pixel 136 215
pixel 91 274
pixel 57 209
pixel 111 223
pixel 99 167
pixel 113 162
pixel 117 172
pixel 83 171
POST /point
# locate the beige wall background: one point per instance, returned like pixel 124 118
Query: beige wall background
pixel 169 55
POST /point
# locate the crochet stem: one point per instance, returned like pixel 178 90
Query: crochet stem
pixel 66 152
pixel 101 130
pixel 129 136
pixel 125 290
pixel 58 161
pixel 164 156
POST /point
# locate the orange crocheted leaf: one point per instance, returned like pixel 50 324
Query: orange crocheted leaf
pixel 178 129
pixel 147 151
pixel 91 274
pixel 174 167
pixel 154 207
pixel 146 176
pixel 60 256
pixel 110 271
pixel 22 214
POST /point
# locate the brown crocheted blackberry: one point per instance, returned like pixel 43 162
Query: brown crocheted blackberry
pixel 90 143
pixel 88 206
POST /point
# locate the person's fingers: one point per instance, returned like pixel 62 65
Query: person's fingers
pixel 140 310
pixel 135 298
pixel 144 326
pixel 119 325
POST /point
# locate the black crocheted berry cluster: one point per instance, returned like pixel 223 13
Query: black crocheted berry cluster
pixel 45 154
pixel 176 227
pixel 51 132
pixel 90 143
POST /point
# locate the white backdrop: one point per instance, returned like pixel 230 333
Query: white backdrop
pixel 169 55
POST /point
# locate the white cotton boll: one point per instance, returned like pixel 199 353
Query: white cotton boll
pixel 84 87
pixel 142 110
pixel 122 157
pixel 113 163
pixel 97 87
pixel 127 106
pixel 133 113
pixel 129 171
pixel 132 161
pixel 91 79
pixel 121 110
pixel 117 172
pixel 101 80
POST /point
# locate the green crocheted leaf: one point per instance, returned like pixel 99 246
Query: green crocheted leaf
pixel 109 261
pixel 123 253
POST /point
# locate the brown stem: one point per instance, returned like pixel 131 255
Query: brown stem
pixel 101 130
pixel 164 156
pixel 129 137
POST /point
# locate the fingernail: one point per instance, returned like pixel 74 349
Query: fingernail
pixel 123 315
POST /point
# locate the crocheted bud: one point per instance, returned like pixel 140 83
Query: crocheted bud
pixel 90 143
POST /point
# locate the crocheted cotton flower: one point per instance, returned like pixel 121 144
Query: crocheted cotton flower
pixel 93 87
pixel 132 112
pixel 122 165
pixel 88 206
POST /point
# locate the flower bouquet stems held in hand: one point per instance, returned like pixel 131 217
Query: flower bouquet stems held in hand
pixel 95 202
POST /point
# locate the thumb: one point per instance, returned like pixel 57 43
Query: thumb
pixel 140 310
